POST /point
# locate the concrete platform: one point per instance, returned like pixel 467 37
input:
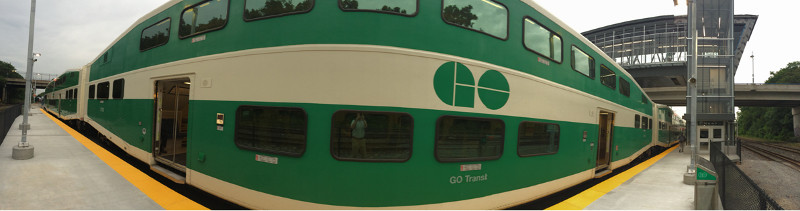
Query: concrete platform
pixel 655 184
pixel 659 187
pixel 63 174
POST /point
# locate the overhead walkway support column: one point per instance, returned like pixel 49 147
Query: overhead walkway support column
pixel 796 121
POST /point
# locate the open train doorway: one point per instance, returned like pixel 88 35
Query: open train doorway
pixel 606 127
pixel 171 123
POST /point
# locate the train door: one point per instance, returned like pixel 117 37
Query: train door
pixel 171 122
pixel 606 133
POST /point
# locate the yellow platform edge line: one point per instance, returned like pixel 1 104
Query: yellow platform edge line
pixel 161 194
pixel 582 200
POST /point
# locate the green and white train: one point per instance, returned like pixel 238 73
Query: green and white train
pixel 467 104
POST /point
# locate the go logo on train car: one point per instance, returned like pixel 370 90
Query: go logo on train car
pixel 455 86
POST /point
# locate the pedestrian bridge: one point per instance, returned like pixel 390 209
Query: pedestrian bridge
pixel 761 95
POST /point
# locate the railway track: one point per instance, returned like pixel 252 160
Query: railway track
pixel 762 149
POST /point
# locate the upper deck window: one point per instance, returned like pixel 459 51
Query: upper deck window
pixel 155 35
pixel 400 7
pixel 484 16
pixel 608 77
pixel 582 62
pixel 262 9
pixel 542 40
pixel 203 17
pixel 624 87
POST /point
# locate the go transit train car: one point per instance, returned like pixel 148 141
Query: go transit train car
pixel 403 104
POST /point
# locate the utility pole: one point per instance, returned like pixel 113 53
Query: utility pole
pixel 23 150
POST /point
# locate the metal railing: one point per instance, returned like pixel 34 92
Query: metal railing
pixel 8 115
pixel 736 190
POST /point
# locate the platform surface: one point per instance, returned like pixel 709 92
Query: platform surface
pixel 659 187
pixel 63 174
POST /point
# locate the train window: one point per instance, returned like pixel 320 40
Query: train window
pixel 542 40
pixel 155 35
pixel 371 136
pixel 644 99
pixel 399 7
pixel 276 130
pixel 582 62
pixel 644 122
pixel 650 123
pixel 636 121
pixel 485 16
pixel 119 88
pixel 91 92
pixel 263 9
pixel 624 87
pixel 74 93
pixel 468 139
pixel 102 90
pixel 536 138
pixel 608 77
pixel 203 17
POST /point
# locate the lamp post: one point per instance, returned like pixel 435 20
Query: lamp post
pixel 24 150
pixel 753 59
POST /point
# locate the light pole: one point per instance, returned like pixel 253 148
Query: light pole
pixel 23 150
pixel 753 59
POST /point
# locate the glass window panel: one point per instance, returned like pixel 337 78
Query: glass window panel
pixel 403 7
pixel 636 121
pixel 536 138
pixel 484 16
pixel 260 9
pixel 371 136
pixel 119 88
pixel 717 133
pixel 155 35
pixel 91 92
pixel 541 40
pixel 468 139
pixel 703 133
pixel 644 122
pixel 608 77
pixel 582 62
pixel 624 87
pixel 276 130
pixel 102 90
pixel 557 48
pixel 203 17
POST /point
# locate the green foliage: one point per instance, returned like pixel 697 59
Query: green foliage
pixel 462 17
pixel 770 123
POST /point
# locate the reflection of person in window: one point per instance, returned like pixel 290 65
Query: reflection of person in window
pixel 358 126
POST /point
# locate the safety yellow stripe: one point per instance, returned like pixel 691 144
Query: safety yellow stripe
pixel 583 199
pixel 161 194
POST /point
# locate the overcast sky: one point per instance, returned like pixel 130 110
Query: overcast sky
pixel 71 33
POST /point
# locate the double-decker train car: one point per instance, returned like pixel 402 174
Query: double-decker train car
pixel 404 104
pixel 670 126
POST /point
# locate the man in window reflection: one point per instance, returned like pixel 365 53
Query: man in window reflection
pixel 359 125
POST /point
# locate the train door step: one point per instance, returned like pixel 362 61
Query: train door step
pixel 168 174
pixel 602 173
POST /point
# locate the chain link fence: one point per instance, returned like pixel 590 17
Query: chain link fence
pixel 736 190
pixel 8 115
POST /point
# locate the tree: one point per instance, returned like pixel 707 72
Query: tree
pixel 462 17
pixel 770 123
